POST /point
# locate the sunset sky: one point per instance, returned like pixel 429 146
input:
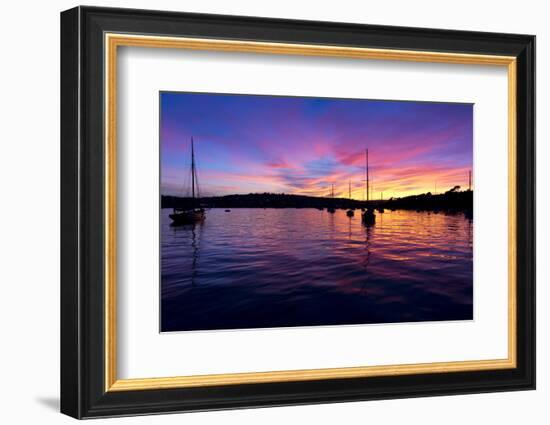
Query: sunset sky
pixel 255 144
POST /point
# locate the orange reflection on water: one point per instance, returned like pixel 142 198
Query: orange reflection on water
pixel 297 267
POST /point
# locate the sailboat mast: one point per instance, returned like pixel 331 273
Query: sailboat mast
pixel 349 189
pixel 367 171
pixel 192 169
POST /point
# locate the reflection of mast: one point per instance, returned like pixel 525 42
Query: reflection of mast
pixel 367 257
pixel 195 245
pixel 195 255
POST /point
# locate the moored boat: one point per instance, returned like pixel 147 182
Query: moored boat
pixel 194 213
pixel 331 210
pixel 183 216
pixel 368 217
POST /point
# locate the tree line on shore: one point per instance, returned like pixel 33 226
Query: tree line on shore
pixel 452 200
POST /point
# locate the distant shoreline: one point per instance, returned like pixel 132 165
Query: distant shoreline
pixel 452 200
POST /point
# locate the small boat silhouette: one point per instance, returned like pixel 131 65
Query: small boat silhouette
pixel 350 213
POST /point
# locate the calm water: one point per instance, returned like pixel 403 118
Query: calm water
pixel 254 268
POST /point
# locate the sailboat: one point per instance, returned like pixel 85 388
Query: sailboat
pixel 367 216
pixel 194 213
pixel 331 209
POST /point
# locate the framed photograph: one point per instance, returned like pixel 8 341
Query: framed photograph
pixel 261 212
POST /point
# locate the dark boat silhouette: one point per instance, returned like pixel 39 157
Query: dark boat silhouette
pixel 350 213
pixel 195 213
pixel 180 216
pixel 368 216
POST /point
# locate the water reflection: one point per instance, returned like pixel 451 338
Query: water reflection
pixel 300 267
pixel 368 230
pixel 194 229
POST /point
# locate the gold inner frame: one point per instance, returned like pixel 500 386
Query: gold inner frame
pixel 113 41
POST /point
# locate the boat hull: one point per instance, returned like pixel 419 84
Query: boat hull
pixel 368 217
pixel 187 217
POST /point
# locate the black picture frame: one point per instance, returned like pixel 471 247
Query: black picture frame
pixel 83 392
